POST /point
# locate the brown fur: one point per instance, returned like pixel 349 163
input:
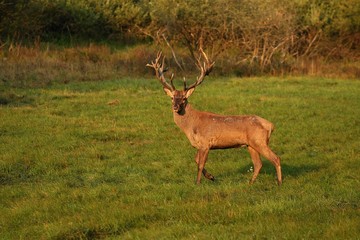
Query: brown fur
pixel 207 131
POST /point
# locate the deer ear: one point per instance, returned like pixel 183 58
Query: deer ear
pixel 189 92
pixel 168 92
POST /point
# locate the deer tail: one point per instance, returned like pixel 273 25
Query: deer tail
pixel 270 130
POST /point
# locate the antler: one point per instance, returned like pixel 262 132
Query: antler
pixel 204 67
pixel 159 70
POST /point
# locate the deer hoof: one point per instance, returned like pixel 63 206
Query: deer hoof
pixel 210 177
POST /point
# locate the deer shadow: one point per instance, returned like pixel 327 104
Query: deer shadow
pixel 269 169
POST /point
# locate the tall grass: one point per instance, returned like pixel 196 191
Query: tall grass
pixel 44 64
pixel 47 64
pixel 91 160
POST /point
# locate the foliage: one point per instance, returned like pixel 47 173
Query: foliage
pixel 249 28
pixel 331 28
pixel 105 160
pixel 24 19
pixel 255 36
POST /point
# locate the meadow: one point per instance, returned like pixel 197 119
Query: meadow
pixel 104 160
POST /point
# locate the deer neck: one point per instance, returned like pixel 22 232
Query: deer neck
pixel 185 118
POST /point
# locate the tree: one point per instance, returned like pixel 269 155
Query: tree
pixel 257 30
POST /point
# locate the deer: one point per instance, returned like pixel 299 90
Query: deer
pixel 207 131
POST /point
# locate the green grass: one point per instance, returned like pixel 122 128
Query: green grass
pixel 105 160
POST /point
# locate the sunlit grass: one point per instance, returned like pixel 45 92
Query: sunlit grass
pixel 105 160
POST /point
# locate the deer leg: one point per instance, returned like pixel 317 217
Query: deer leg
pixel 273 158
pixel 255 156
pixel 201 160
pixel 204 172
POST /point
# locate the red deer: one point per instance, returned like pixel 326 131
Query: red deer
pixel 207 131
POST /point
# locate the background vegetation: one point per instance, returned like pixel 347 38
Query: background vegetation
pixel 244 37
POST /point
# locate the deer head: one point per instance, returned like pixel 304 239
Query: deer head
pixel 179 97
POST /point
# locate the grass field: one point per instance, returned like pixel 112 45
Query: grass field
pixel 101 160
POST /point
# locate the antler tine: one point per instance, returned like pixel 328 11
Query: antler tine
pixel 203 53
pixel 162 64
pixel 205 69
pixel 154 63
pixel 159 71
pixel 158 55
pixel 171 80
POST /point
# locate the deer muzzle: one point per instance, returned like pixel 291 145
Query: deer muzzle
pixel 176 108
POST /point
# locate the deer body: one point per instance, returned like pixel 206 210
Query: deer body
pixel 213 131
pixel 207 131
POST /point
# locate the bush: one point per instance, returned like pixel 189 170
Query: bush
pixel 244 37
